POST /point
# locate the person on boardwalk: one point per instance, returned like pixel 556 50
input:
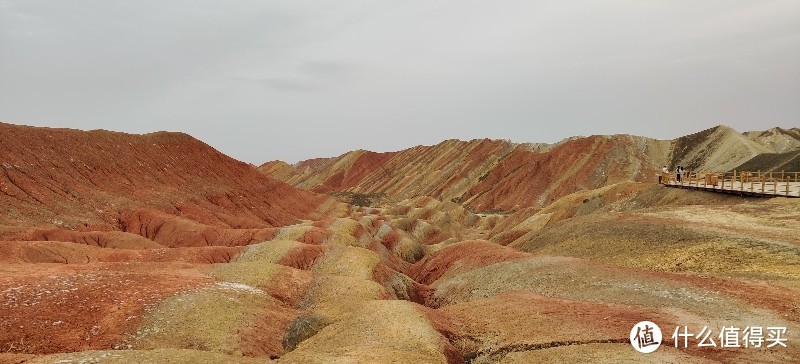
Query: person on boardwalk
pixel 679 172
pixel 664 173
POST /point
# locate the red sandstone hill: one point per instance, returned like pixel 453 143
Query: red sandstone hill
pixel 490 175
pixel 163 186
pixel 529 179
pixel 482 174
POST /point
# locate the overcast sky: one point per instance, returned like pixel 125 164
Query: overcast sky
pixel 290 80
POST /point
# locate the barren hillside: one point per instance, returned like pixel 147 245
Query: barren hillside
pixel 717 149
pixel 497 175
pixel 60 184
pixel 773 162
pixel 119 248
pixel 777 140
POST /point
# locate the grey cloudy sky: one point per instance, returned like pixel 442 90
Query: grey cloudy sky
pixel 263 80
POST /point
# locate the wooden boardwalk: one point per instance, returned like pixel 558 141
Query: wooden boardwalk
pixel 756 184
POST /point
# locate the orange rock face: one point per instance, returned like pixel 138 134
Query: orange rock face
pixel 165 186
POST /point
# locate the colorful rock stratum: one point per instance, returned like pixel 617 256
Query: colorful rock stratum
pixel 156 248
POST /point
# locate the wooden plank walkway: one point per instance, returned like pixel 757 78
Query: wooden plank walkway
pixel 756 184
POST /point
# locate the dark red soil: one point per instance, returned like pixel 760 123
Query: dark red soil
pixel 51 308
pixel 463 256
pixel 102 180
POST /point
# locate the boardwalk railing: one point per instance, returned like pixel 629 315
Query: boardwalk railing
pixel 741 182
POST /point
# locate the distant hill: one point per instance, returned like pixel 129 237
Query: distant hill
pixel 479 173
pixel 717 149
pixel 777 140
pixel 497 175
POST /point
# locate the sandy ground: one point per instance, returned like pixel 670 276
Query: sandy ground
pixel 422 281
